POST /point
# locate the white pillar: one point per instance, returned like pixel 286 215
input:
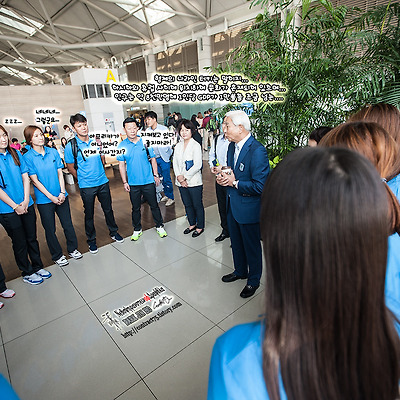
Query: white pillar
pixel 204 53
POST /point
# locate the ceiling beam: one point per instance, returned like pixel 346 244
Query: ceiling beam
pixel 192 8
pixel 116 19
pixel 73 45
pixel 41 65
pixel 49 20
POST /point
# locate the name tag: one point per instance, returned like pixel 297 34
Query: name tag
pixel 241 167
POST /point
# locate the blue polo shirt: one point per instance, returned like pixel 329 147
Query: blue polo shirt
pixel 90 170
pixel 138 167
pixel 11 180
pixel 45 167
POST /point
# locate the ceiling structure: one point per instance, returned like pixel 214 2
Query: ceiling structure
pixel 43 41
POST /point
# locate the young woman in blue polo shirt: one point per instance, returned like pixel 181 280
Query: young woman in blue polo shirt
pixel 17 214
pixel 45 170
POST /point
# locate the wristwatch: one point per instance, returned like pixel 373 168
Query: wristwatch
pixel 235 184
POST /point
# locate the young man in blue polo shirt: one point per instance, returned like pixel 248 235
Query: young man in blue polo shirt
pixel 92 179
pixel 163 156
pixel 140 165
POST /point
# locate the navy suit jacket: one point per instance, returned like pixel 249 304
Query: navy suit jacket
pixel 251 170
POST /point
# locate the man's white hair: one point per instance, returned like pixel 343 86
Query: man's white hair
pixel 239 117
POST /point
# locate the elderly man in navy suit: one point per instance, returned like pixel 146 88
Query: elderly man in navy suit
pixel 248 160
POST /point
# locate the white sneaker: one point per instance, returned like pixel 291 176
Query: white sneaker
pixel 169 202
pixel 62 261
pixel 7 294
pixel 164 198
pixel 33 279
pixel 136 235
pixel 1 305
pixel 76 254
pixel 161 232
pixel 43 273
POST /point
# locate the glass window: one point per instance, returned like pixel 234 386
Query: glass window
pixel 107 90
pixel 100 90
pixel 84 92
pixel 92 91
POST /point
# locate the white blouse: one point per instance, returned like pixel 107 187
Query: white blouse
pixel 192 153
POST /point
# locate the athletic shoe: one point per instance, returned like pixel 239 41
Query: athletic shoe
pixel 136 235
pixel 118 238
pixel 1 305
pixel 161 232
pixel 7 294
pixel 43 273
pixel 93 248
pixel 169 202
pixel 62 261
pixel 164 198
pixel 76 254
pixel 33 279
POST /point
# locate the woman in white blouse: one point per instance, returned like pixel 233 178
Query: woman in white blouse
pixel 187 164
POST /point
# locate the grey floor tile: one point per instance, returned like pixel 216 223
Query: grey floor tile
pixel 197 280
pixel 175 230
pixel 221 252
pixel 151 252
pixel 185 376
pixel 139 392
pixel 212 215
pixel 70 358
pixel 253 310
pixel 36 305
pixel 99 274
pixel 3 364
pixel 157 336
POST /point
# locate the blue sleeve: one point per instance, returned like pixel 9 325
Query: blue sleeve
pixel 392 282
pixel 58 160
pixel 259 173
pixel 23 167
pixel 6 391
pixel 217 385
pixel 151 152
pixel 30 165
pixel 68 156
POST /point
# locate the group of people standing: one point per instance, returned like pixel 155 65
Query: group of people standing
pixel 330 225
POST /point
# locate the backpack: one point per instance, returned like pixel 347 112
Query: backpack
pixel 212 124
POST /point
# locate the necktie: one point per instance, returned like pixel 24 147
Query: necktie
pixel 236 155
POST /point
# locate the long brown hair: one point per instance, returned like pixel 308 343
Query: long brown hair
pixel 11 150
pixel 374 143
pixel 328 333
pixel 29 131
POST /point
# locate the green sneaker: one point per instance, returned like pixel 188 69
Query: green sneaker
pixel 161 232
pixel 136 235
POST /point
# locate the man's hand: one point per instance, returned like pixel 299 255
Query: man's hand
pixel 157 180
pixel 216 170
pixel 224 179
pixel 127 188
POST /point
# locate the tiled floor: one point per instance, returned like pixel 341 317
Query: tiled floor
pixel 57 342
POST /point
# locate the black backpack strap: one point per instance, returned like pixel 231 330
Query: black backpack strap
pixel 215 146
pixel 75 149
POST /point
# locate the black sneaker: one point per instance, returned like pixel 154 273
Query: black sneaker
pixel 118 238
pixel 93 248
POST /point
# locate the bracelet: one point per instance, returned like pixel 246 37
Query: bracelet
pixel 124 183
pixel 62 192
pixel 16 207
pixel 156 176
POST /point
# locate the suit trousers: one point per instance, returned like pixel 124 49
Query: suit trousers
pixel 221 192
pixel 246 249
pixel 104 196
pixel 22 231
pixel 164 169
pixel 149 194
pixel 47 215
pixel 192 199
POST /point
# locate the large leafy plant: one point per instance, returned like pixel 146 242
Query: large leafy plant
pixel 333 62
